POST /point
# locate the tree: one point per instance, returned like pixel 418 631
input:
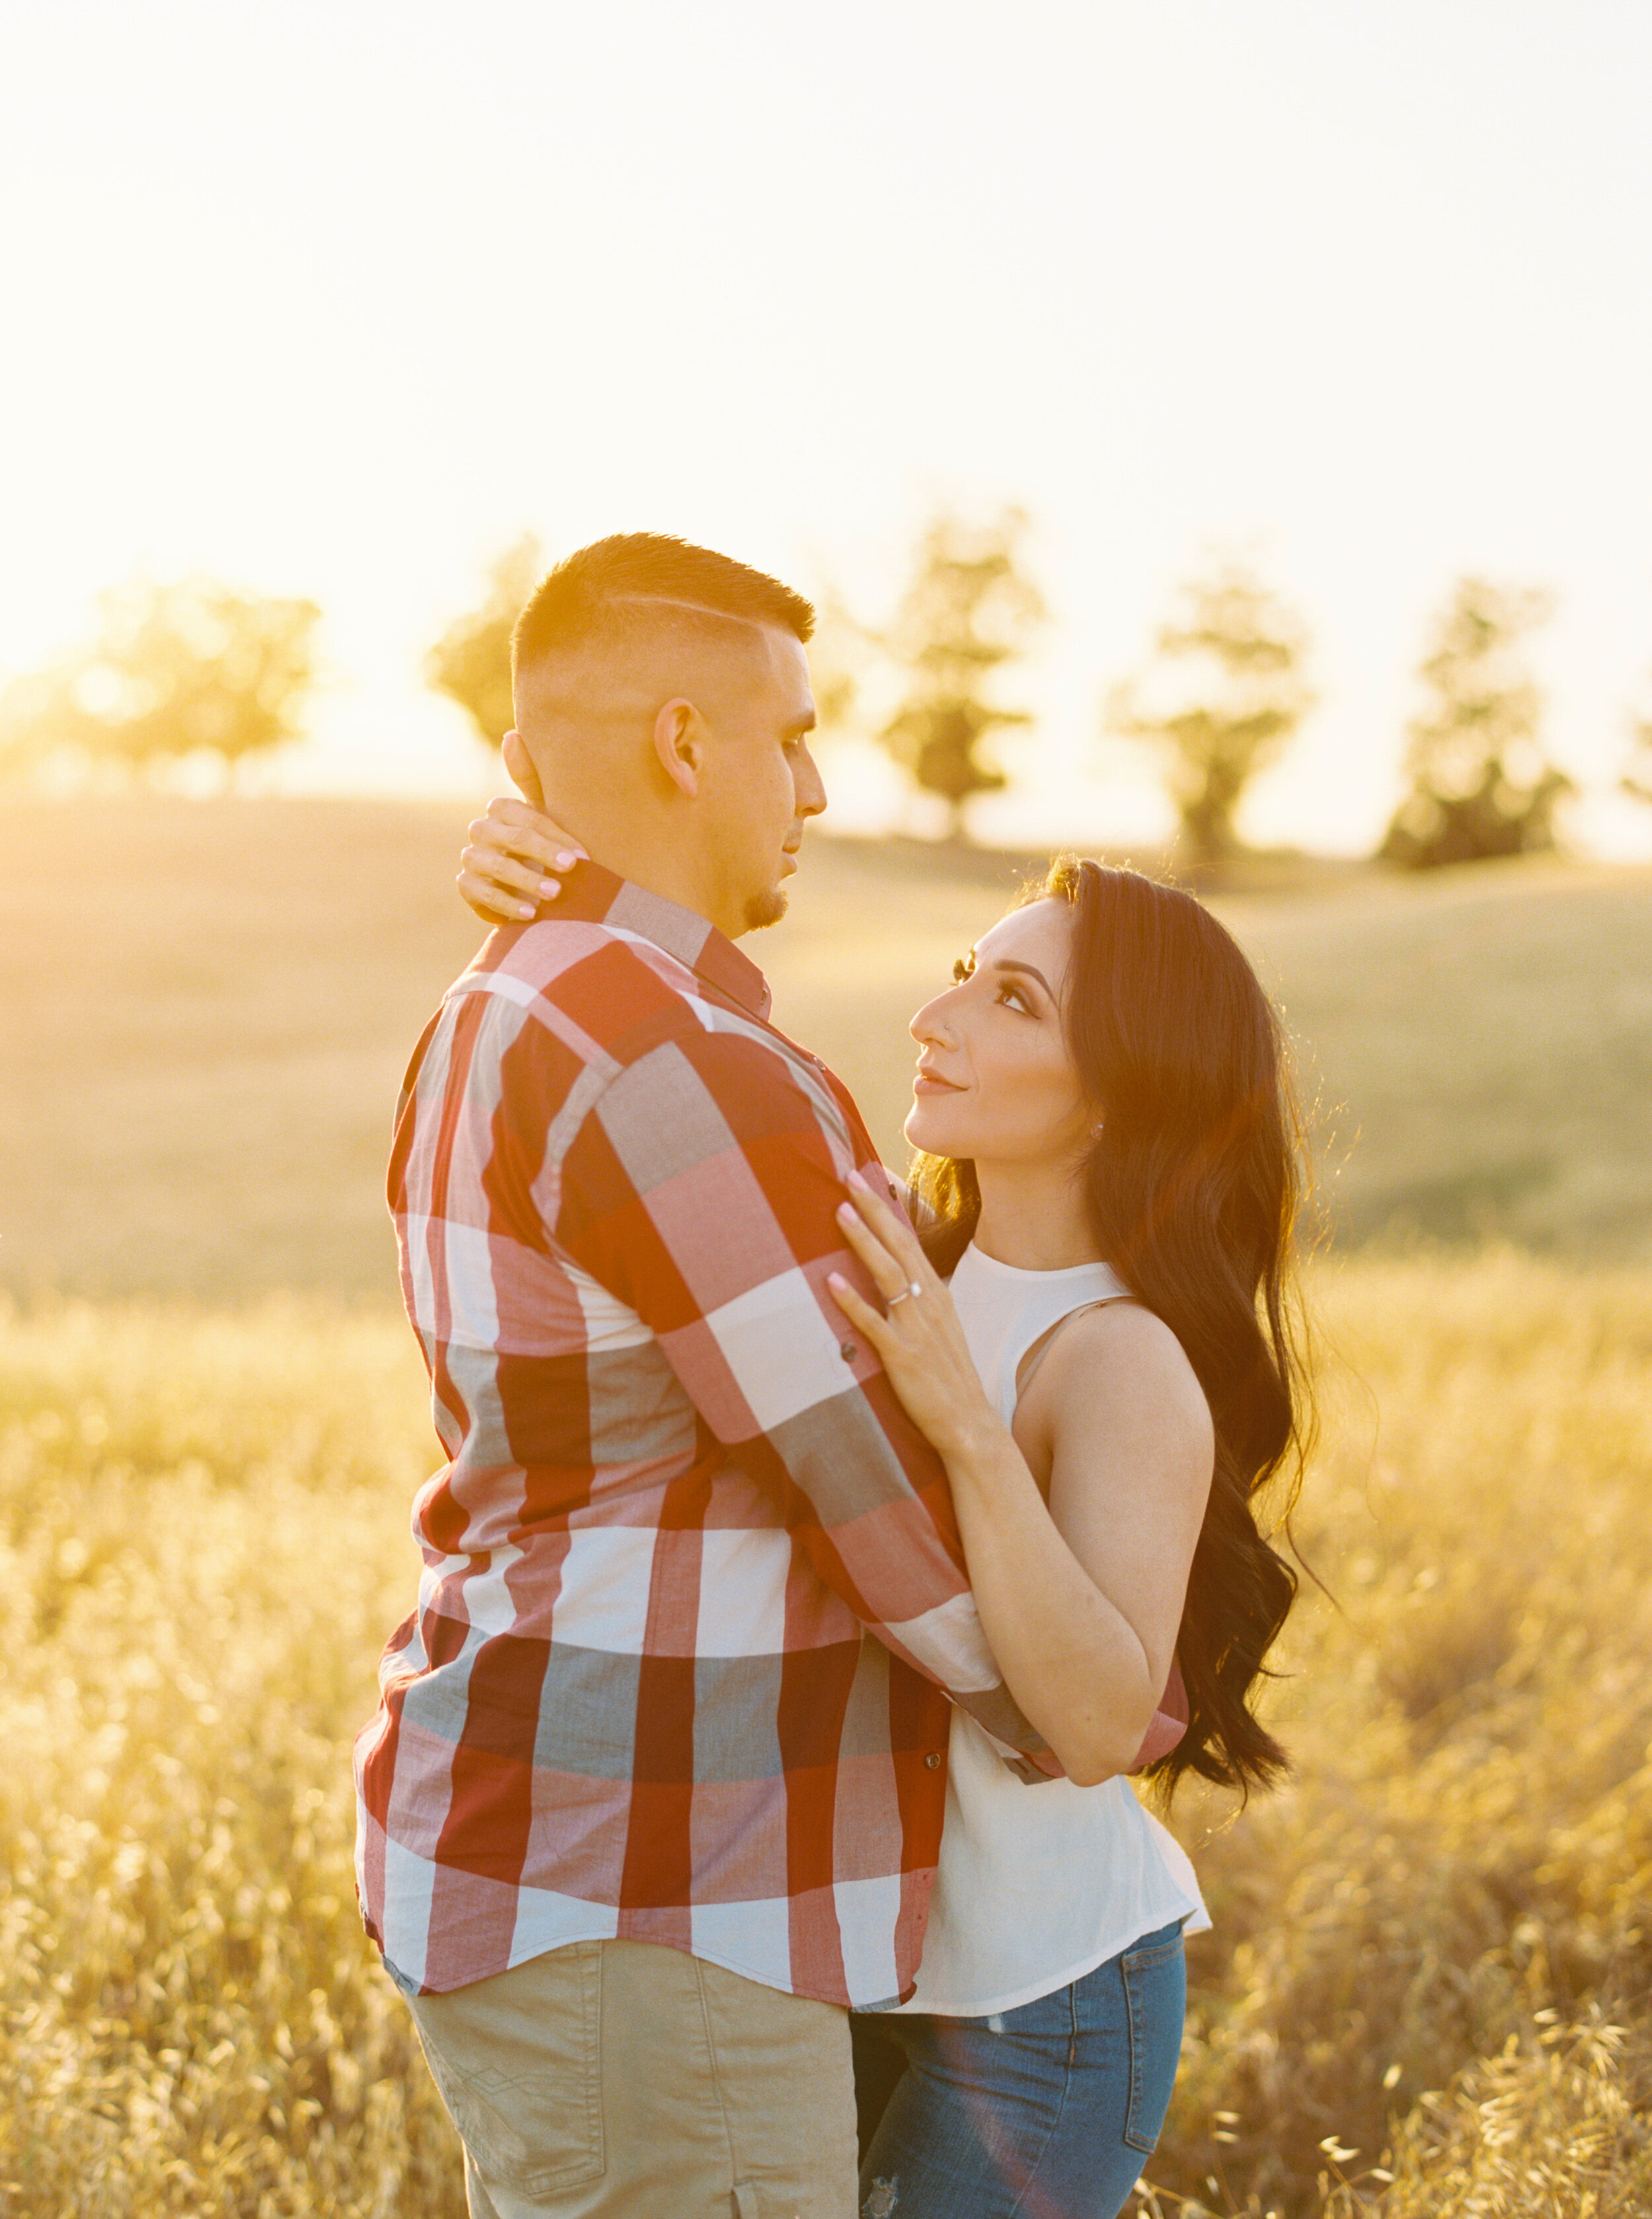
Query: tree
pixel 1636 780
pixel 967 612
pixel 471 662
pixel 1228 674
pixel 1481 784
pixel 175 669
pixel 838 649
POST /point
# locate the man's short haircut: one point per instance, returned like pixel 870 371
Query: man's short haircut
pixel 602 591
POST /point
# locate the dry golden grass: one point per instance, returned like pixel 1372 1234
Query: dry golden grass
pixel 1420 1947
pixel 1467 1841
pixel 205 1533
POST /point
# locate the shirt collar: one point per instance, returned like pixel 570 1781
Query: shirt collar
pixel 597 895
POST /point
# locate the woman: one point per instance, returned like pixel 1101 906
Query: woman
pixel 1093 1333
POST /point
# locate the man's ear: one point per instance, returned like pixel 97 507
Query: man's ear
pixel 680 742
pixel 519 763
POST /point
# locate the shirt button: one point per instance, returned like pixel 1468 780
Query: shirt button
pixel 848 1351
pixel 932 1763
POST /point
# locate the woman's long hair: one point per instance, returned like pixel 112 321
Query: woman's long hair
pixel 1192 1186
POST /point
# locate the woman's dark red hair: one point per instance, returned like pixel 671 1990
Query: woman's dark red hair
pixel 1192 1187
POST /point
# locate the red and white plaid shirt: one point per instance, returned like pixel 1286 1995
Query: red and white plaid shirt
pixel 692 1588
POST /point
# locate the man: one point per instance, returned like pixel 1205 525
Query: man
pixel 645 1805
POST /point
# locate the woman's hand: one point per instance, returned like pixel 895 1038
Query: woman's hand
pixel 1080 1597
pixel 916 1334
pixel 509 867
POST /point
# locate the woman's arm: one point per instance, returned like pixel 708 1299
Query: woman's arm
pixel 1117 1420
pixel 1081 1599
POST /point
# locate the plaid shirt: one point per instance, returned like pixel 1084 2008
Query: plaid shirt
pixel 641 1695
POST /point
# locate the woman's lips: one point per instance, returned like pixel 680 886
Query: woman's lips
pixel 927 1082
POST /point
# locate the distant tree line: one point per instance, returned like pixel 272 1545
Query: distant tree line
pixel 1222 697
pixel 199 667
pixel 190 668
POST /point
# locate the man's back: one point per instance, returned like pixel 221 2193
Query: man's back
pixel 637 1699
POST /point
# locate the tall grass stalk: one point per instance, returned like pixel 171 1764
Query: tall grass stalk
pixel 1467 1843
pixel 1424 1948
pixel 203 1523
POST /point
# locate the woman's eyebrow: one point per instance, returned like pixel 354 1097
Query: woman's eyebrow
pixel 1005 963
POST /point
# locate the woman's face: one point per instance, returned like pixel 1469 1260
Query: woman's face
pixel 996 1080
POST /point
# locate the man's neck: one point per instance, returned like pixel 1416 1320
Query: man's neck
pixel 658 870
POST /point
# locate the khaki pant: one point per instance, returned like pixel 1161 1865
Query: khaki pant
pixel 624 2081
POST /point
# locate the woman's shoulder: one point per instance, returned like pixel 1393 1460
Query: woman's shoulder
pixel 1112 1357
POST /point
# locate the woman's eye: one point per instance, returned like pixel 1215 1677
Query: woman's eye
pixel 1013 998
pixel 962 969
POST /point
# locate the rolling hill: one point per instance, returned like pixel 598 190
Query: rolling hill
pixel 206 1007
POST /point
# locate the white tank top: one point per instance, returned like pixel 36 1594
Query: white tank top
pixel 1037 1885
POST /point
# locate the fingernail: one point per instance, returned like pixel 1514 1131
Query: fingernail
pixel 835 1279
pixel 566 861
pixel 855 1180
pixel 549 889
pixel 524 909
pixel 846 1211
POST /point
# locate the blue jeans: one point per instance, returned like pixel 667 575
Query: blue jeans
pixel 1046 2112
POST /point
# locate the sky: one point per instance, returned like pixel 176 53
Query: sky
pixel 338 299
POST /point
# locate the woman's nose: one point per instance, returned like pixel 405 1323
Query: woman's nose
pixel 930 1023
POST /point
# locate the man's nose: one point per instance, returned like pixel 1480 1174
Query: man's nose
pixel 808 788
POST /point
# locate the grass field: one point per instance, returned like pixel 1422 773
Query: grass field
pixel 207 1007
pixel 1427 1992
pixel 204 1521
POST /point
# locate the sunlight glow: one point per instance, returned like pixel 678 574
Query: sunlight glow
pixel 334 301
